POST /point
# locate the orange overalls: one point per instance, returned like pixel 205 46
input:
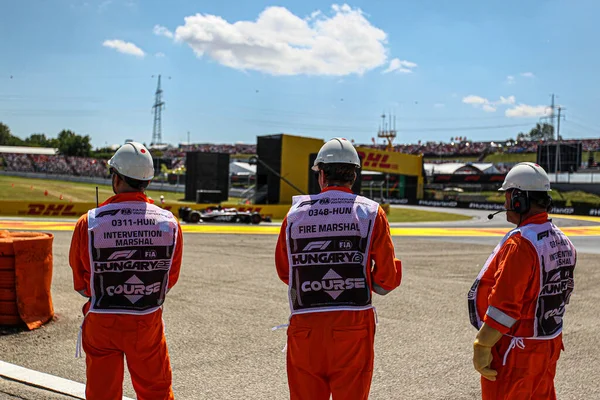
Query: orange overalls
pixel 511 286
pixel 332 352
pixel 107 338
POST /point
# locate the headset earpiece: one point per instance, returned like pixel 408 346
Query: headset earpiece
pixel 519 202
pixel 550 204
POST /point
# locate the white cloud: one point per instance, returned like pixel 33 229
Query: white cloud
pixel 400 66
pixel 162 31
pixel 527 74
pixel 510 79
pixel 315 14
pixel 506 100
pixel 281 43
pixel 472 99
pixel 159 54
pixel 439 105
pixel 487 105
pixel 124 47
pixel 524 110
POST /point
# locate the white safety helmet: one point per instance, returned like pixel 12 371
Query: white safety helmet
pixel 526 176
pixel 339 151
pixel 134 161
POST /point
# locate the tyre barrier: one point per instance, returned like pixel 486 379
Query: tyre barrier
pixel 25 278
pixel 8 295
pixel 7 263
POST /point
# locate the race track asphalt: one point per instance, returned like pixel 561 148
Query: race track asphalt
pixel 220 314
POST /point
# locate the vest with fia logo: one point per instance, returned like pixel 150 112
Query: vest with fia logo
pixel 557 259
pixel 131 250
pixel 328 239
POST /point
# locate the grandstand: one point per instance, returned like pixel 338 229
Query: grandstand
pixel 460 168
pixel 48 161
pixel 458 148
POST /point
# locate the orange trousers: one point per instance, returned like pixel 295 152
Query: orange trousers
pixel 331 353
pixel 528 373
pixel 140 338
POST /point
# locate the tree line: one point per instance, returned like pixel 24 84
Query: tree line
pixel 67 142
pixel 543 131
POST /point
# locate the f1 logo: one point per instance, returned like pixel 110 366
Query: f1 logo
pixel 122 254
pixel 318 245
pixel 108 212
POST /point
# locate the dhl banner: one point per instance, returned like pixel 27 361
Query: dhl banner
pixel 390 162
pixel 44 208
pixel 74 210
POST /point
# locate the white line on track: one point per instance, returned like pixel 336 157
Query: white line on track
pixel 43 381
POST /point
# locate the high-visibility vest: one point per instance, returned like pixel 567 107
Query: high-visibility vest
pixel 328 240
pixel 131 246
pixel 557 259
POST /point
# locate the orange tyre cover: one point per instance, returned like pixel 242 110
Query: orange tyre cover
pixel 6 247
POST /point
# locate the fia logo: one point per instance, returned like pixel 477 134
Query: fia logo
pixel 150 254
pixel 345 245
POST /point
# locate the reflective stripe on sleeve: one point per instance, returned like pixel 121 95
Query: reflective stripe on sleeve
pixel 500 317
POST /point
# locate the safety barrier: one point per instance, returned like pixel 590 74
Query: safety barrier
pixel 74 210
pixel 25 278
pixel 575 209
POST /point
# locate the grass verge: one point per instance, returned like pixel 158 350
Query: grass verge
pixel 14 188
pixel 411 215
pixel 568 198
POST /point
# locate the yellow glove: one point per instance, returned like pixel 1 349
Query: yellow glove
pixel 482 351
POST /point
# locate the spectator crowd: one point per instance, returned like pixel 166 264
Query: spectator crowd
pixel 469 148
pixel 92 167
pixel 459 147
pixel 55 164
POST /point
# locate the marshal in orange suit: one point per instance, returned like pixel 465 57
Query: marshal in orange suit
pixel 125 256
pixel 333 251
pixel 519 298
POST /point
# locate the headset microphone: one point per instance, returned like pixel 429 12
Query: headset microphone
pixel 490 216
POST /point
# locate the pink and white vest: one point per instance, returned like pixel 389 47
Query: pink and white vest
pixel 328 241
pixel 557 259
pixel 131 250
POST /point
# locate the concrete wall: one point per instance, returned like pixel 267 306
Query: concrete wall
pixel 585 187
pixel 89 179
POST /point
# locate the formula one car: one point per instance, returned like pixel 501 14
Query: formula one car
pixel 220 215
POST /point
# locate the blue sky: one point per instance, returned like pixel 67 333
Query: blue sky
pixel 243 68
